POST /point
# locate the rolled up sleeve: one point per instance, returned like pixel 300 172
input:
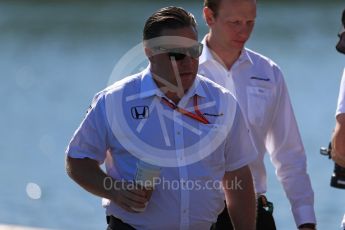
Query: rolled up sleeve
pixel 89 140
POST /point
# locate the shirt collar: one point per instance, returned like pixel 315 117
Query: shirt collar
pixel 208 56
pixel 196 88
pixel 244 57
pixel 149 87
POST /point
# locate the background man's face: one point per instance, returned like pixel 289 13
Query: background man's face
pixel 234 22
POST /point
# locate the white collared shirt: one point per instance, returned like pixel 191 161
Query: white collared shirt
pixel 189 196
pixel 259 87
pixel 341 97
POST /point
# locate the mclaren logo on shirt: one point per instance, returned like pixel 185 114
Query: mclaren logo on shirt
pixel 140 112
pixel 260 78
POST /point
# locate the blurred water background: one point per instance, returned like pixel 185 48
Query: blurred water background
pixel 54 55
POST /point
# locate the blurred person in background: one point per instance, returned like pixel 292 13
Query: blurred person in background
pixel 258 84
pixel 338 139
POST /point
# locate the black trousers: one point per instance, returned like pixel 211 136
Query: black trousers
pixel 264 220
pixel 117 224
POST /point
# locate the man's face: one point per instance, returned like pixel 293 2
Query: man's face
pixel 234 23
pixel 341 43
pixel 174 59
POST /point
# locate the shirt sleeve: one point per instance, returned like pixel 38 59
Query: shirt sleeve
pixel 239 148
pixel 287 153
pixel 90 139
pixel 341 97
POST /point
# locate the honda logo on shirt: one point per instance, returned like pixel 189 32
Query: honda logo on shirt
pixel 140 112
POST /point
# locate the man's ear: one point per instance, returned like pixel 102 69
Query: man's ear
pixel 208 16
pixel 149 53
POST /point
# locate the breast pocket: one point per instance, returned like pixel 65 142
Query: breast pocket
pixel 258 100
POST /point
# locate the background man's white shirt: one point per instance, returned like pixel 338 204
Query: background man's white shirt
pixel 259 87
pixel 341 98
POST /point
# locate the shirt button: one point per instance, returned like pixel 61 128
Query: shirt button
pixel 178 132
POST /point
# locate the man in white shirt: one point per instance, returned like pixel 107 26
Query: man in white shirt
pixel 338 140
pixel 187 130
pixel 259 87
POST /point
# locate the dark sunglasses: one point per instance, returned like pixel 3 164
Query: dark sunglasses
pixel 181 52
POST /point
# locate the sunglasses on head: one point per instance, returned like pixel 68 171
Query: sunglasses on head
pixel 181 52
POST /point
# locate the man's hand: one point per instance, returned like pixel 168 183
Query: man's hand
pixel 339 159
pixel 129 196
pixel 338 141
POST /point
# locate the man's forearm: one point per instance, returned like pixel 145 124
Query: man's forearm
pixel 89 175
pixel 240 199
